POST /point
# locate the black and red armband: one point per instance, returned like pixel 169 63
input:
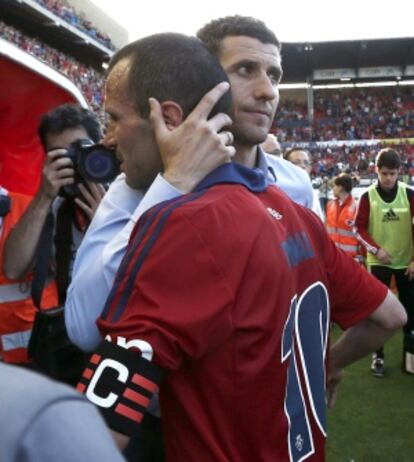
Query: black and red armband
pixel 121 383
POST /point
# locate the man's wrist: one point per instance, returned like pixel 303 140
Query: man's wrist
pixel 184 185
pixel 44 199
pixel 375 250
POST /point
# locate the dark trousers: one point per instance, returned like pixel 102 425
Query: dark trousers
pixel 405 289
pixel 148 445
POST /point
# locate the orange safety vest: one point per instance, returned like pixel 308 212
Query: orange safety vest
pixel 339 223
pixel 16 307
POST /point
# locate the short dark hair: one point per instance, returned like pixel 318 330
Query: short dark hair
pixel 294 149
pixel 389 158
pixel 69 116
pixel 215 31
pixel 344 180
pixel 174 67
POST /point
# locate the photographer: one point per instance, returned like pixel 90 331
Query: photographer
pixel 57 131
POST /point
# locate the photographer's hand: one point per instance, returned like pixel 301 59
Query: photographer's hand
pixel 92 196
pixel 20 247
pixel 57 172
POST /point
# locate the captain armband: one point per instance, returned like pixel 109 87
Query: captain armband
pixel 121 383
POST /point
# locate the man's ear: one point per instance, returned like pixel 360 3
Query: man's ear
pixel 172 113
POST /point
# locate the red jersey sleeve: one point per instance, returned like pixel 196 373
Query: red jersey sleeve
pixel 361 224
pixel 354 293
pixel 178 305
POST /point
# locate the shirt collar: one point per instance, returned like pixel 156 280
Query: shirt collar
pixel 390 192
pixel 263 165
pixel 232 173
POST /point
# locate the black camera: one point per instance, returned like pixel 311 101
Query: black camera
pixel 92 162
pixel 4 205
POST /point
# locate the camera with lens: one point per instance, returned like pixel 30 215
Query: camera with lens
pixel 91 162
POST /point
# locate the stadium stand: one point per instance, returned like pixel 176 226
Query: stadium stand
pixel 342 128
pixel 88 79
pixel 350 114
pixel 68 14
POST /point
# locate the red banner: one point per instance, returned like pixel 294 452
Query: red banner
pixel 24 97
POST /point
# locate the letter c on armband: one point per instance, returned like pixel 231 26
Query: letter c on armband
pixel 121 383
pixel 109 401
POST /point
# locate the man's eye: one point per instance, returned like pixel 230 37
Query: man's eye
pixel 275 79
pixel 245 70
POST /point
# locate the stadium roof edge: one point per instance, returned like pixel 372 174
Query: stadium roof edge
pixel 371 39
pixel 301 59
pixel 62 22
pixel 21 57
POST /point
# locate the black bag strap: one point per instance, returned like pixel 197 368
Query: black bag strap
pixel 42 257
pixel 63 244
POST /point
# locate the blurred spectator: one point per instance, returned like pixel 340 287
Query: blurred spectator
pixel 324 191
pixel 45 421
pixel 300 158
pixel 340 216
pixel 271 145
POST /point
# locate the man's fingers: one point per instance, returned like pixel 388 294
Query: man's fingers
pixel 97 190
pixel 226 137
pixel 61 173
pixel 56 153
pixel 209 100
pixel 231 152
pixel 86 193
pixel 58 162
pixel 219 121
pixel 156 118
pixel 88 210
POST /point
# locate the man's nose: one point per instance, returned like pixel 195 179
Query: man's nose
pixel 265 88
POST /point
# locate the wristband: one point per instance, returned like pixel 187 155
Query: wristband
pixel 121 383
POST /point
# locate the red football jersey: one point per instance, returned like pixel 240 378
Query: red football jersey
pixel 233 291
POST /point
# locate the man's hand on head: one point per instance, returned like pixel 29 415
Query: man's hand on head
pixel 57 172
pixel 91 197
pixel 197 146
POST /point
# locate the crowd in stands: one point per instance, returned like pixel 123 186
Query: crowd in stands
pixel 349 114
pixel 86 78
pixel 369 113
pixel 65 11
pixel 331 160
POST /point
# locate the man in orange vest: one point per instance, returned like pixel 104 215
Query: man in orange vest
pixel 24 224
pixel 16 306
pixel 340 215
